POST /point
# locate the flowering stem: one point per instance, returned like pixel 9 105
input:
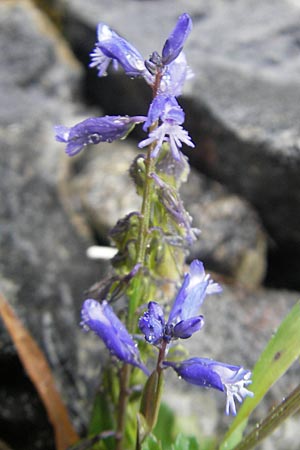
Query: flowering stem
pixel 135 299
pixel 123 400
pixel 145 209
pixel 161 357
pixel 145 214
pixel 146 203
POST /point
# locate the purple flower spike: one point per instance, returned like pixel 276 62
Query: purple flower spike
pixel 174 44
pixel 212 374
pixel 95 130
pixel 100 318
pixel 112 47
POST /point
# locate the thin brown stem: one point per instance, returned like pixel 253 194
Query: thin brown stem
pixel 161 357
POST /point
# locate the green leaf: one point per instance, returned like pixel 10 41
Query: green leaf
pixel 151 443
pixel 280 353
pixel 165 427
pixel 285 409
pixel 103 412
pixel 150 402
pixel 185 443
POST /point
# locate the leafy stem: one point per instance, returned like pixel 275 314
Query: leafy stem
pixel 135 297
pixel 145 209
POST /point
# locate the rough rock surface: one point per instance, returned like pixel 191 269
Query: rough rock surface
pixel 231 242
pixel 43 268
pixel 242 100
pixel 244 320
pixel 242 105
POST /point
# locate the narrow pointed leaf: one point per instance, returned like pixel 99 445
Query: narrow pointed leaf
pixel 151 443
pixel 150 402
pixel 102 417
pixel 165 426
pixel 280 353
pixel 186 443
pixel 286 408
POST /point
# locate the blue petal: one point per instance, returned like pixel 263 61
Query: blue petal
pixel 186 328
pixel 114 46
pixel 197 371
pixel 156 109
pixel 195 287
pixel 224 377
pixel 100 318
pixel 95 130
pixel 176 39
pixel 101 61
pixel 175 76
pixel 176 311
pixel 194 300
pixel 152 323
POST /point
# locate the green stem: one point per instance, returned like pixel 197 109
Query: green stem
pixel 285 409
pixel 134 300
pixel 135 297
pixel 122 405
pixel 145 216
pixel 145 209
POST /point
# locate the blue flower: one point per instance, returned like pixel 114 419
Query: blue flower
pixel 113 48
pixel 95 130
pixel 171 116
pixel 213 374
pixel 174 77
pixel 196 285
pixel 174 44
pixel 183 320
pixel 100 318
pixel 152 324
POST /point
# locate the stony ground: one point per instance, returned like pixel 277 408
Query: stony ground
pixel 242 107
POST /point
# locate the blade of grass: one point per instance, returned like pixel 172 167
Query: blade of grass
pixel 285 409
pixel 280 353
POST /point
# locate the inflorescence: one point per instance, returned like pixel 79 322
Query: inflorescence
pixel 166 74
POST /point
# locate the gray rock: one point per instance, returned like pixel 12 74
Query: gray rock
pixel 238 325
pixel 242 105
pixel 44 272
pixel 231 242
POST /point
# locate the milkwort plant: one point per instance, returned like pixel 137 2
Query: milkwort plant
pixel 149 268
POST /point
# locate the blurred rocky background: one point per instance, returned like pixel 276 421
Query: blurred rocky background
pixel 242 110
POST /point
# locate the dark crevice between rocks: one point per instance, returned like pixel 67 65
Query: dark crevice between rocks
pixel 283 268
pixel 99 237
pixel 213 139
pixel 23 420
pixel 118 94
